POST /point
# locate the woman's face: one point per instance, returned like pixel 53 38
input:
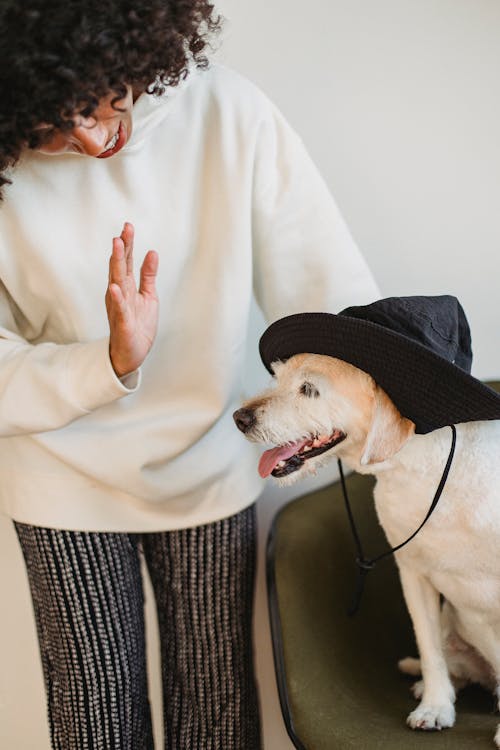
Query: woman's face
pixel 102 135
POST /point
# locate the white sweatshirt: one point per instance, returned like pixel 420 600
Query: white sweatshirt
pixel 215 180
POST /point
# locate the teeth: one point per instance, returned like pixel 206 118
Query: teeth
pixel 112 143
pixel 281 464
pixel 307 448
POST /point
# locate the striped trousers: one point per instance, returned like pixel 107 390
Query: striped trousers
pixel 88 602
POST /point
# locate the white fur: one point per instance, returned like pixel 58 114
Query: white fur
pixel 456 554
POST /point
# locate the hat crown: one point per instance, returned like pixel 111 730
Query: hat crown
pixel 438 323
pixel 418 349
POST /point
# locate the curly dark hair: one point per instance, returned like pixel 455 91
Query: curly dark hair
pixel 60 57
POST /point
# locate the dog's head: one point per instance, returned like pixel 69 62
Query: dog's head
pixel 319 407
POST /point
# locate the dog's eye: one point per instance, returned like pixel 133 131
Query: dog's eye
pixel 310 390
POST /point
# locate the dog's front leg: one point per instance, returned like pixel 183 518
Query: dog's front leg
pixel 436 709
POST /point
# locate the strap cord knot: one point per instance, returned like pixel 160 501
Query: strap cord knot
pixel 365 565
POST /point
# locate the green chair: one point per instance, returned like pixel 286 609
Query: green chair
pixel 337 674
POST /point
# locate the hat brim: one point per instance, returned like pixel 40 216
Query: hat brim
pixel 425 387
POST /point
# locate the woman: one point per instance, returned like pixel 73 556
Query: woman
pixel 116 418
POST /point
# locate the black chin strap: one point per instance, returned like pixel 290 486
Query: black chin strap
pixel 364 565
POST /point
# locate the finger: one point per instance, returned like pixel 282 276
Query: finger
pixel 117 263
pixel 149 269
pixel 118 309
pixel 127 236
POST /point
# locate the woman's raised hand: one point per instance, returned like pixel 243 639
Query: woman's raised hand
pixel 132 312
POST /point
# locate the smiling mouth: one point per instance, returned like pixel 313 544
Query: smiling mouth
pixel 285 459
pixel 113 141
pixel 115 144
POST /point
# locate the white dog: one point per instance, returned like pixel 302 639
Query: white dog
pixel 321 407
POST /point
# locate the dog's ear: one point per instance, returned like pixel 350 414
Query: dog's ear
pixel 388 431
pixel 276 366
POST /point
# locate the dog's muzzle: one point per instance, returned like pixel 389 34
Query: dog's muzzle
pixel 285 459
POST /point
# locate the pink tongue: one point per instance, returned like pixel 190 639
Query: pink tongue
pixel 271 458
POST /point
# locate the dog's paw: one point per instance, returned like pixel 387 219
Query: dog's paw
pixel 432 717
pixel 409 665
pixel 497 737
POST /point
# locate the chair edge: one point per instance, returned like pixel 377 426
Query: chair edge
pixel 277 644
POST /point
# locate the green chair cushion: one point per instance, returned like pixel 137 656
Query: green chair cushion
pixel 337 674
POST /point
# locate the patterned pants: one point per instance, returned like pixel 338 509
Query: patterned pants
pixel 88 601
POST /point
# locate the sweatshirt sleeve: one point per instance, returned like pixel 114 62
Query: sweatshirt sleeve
pixel 47 385
pixel 305 259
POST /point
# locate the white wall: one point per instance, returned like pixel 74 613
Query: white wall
pixel 399 104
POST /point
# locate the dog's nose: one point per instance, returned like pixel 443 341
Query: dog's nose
pixel 244 419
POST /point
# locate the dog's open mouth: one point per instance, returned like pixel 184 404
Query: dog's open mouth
pixel 285 459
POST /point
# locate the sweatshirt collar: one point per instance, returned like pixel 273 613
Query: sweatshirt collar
pixel 149 110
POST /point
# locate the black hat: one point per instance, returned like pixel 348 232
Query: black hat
pixel 418 349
